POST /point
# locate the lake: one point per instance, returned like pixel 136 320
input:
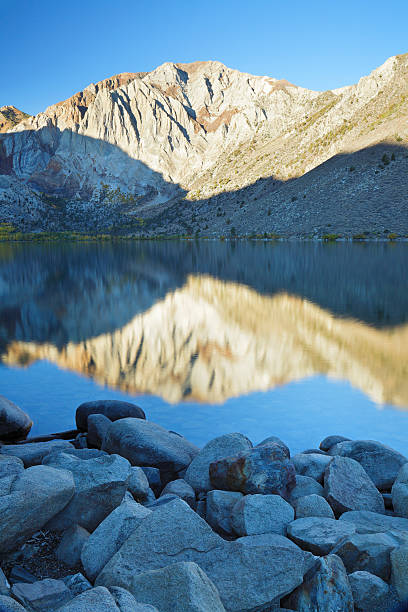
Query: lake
pixel 298 340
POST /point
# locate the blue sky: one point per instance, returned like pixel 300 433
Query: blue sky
pixel 49 49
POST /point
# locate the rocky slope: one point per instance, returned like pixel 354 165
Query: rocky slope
pixel 188 144
pixel 10 116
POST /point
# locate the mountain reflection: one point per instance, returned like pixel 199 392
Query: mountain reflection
pixel 210 340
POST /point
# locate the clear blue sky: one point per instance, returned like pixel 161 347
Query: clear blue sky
pixel 51 49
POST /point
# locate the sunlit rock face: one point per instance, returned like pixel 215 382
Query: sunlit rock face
pixel 210 341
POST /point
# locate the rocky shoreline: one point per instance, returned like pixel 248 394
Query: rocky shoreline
pixel 127 516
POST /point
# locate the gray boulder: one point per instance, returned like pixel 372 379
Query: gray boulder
pixel 305 486
pixel 145 443
pixel 161 501
pixel 371 522
pixel 197 474
pixel 311 465
pixel 77 583
pixel 14 423
pixel 127 603
pixel 219 509
pixel 399 570
pixel 182 489
pixel 180 586
pixel 98 599
pixel 138 484
pixel 369 592
pixel 45 594
pixel 381 462
pixel 72 542
pixel 369 552
pixel 7 604
pixel 37 494
pixel 312 505
pixel 318 535
pixel 254 514
pixel 400 492
pixel 100 485
pixel 98 425
pixel 275 440
pixel 249 573
pixel 153 476
pixel 111 409
pixel 325 587
pixel 348 487
pixel 329 441
pixel 109 536
pixel 33 453
pixel 10 466
pixel 264 469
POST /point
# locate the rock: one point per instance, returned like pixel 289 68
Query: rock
pixel 145 443
pixel 371 522
pixel 165 499
pixel 325 587
pixel 184 583
pixel 33 453
pixel 314 451
pixel 369 592
pixel 79 453
pixel 111 409
pixel 138 484
pixel 249 573
pixel 69 549
pixel 81 441
pixel 20 574
pixel 153 476
pixel 219 508
pixel 45 594
pixel 150 498
pixel 14 423
pixel 98 599
pixel 7 604
pixel 37 494
pixel 109 536
pixel 399 570
pixel 327 443
pixel 369 552
pixel 182 489
pixel 400 492
pixel 127 603
pixel 77 583
pixel 264 469
pixel 197 474
pixel 305 486
pixel 318 535
pixel 381 462
pixel 100 485
pixel 275 440
pixel 254 514
pixel 97 426
pixel 312 505
pixel 4 584
pixel 311 465
pixel 348 487
pixel 10 466
pixel 202 511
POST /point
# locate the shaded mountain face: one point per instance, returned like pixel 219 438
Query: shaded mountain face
pixel 205 133
pixel 10 116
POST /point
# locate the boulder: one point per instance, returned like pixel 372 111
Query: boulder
pixel 249 573
pixel 219 508
pixel 399 570
pixel 42 595
pixel 138 484
pixel 400 492
pixel 264 469
pixel 4 584
pixel 369 592
pixel 72 542
pixel 182 489
pixel 314 451
pixel 14 423
pixel 348 487
pixel 254 514
pixel 318 535
pixel 98 599
pixel 81 441
pixel 100 485
pixel 381 462
pixel 197 474
pixel 180 586
pixel 19 574
pixel 329 441
pixel 111 409
pixel 371 522
pixel 311 465
pixel 145 443
pixel 305 486
pixel 109 536
pixel 275 440
pixel 312 505
pixel 161 501
pixel 98 425
pixel 325 587
pixel 33 453
pixel 369 552
pixel 10 466
pixel 37 494
pixel 77 583
pixel 127 603
pixel 7 604
pixel 79 453
pixel 153 476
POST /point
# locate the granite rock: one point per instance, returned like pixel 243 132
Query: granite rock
pixel 111 409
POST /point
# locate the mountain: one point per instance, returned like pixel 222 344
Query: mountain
pixel 202 148
pixel 10 116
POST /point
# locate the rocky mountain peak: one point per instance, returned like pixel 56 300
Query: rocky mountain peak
pixel 10 116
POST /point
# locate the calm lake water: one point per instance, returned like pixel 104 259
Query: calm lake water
pixel 299 340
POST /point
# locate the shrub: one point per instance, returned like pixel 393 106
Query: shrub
pixel 330 237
